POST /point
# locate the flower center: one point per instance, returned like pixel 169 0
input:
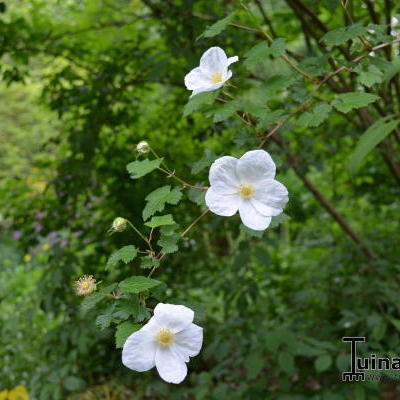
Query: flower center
pixel 165 337
pixel 85 285
pixel 216 78
pixel 246 190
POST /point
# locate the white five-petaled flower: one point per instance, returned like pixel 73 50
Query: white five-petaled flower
pixel 246 184
pixel 166 341
pixel 212 73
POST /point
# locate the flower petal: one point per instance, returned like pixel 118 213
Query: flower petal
pixel 189 341
pixel 271 193
pixel 171 367
pixel 214 60
pixel 265 209
pixel 209 88
pixel 140 348
pixel 232 60
pixel 196 79
pixel 252 218
pixel 172 316
pixel 223 177
pixel 255 165
pixel 225 205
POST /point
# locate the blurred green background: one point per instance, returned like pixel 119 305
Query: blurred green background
pixel 82 82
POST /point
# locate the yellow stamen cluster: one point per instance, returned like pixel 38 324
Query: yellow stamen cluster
pixel 165 337
pixel 216 78
pixel 85 285
pixel 246 190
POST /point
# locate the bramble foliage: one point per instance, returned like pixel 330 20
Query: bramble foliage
pixel 317 86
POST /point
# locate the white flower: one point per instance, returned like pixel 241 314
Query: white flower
pixel 246 184
pixel 212 73
pixel 166 341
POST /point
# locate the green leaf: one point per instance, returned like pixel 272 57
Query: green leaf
pixel 315 118
pixel 123 331
pixel 155 222
pixel 323 362
pixel 369 139
pixel 72 383
pixel 125 254
pixel 90 301
pixel 369 75
pixel 254 364
pixel 197 102
pixel 168 243
pixel 157 200
pixel 396 323
pixel 345 102
pixel 208 158
pixel 261 51
pixel 251 232
pixel 339 36
pixel 217 28
pixel 197 196
pixel 278 220
pixel 226 110
pixel 147 262
pixel 104 320
pixel 286 362
pixel 271 117
pixel 137 284
pixel 140 168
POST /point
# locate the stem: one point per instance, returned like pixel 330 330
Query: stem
pixel 181 181
pixel 140 234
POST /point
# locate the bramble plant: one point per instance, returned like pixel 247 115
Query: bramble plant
pixel 243 181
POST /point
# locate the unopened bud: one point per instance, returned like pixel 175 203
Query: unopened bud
pixel 142 147
pixel 119 224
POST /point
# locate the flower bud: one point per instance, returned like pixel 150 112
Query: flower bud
pixel 142 147
pixel 119 224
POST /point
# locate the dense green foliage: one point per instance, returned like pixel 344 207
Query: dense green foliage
pixel 317 85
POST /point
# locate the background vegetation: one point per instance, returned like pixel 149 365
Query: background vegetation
pixel 84 81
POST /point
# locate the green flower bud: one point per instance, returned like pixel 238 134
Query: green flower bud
pixel 119 224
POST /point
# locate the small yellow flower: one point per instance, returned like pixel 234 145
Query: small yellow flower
pixel 85 285
pixel 46 246
pixel 27 258
pixel 18 393
pixel 4 394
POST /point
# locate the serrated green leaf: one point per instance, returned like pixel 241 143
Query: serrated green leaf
pixel 140 168
pixel 261 51
pixel 370 75
pixel 125 254
pixel 123 331
pixel 197 196
pixel 90 301
pixel 147 262
pixel 208 158
pixel 217 27
pixel 271 117
pixel 323 362
pixel 137 284
pixel 199 101
pixel 275 221
pixel 341 35
pixel 104 320
pixel 370 139
pixel 158 198
pixel 315 118
pixel 168 243
pixel 345 102
pixel 226 110
pixel 155 222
